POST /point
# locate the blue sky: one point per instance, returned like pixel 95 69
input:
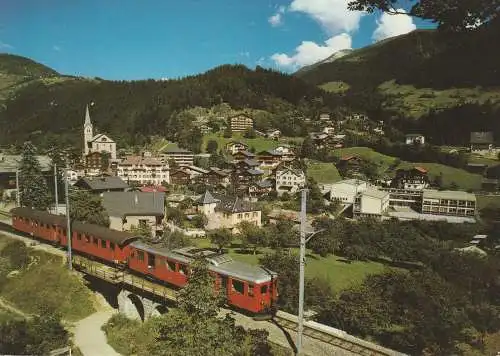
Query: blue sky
pixel 139 39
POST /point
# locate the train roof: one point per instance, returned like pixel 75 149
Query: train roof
pixel 39 215
pixel 119 237
pixel 220 263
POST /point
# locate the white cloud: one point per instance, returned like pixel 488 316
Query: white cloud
pixel 56 48
pixel 244 54
pixel 309 52
pixel 333 15
pixel 277 19
pixel 393 25
pixel 4 45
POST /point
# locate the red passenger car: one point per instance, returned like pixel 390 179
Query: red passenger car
pixel 244 286
pixel 40 224
pixel 102 243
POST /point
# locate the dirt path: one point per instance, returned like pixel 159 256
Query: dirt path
pixel 89 337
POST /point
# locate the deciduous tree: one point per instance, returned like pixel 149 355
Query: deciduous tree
pixel 221 238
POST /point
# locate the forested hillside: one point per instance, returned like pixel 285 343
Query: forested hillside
pixel 424 81
pixel 132 110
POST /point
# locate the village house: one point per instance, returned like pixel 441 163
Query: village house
pixel 287 152
pixel 329 130
pixel 481 141
pixel 350 165
pixel 195 172
pixel 324 117
pixel 96 143
pixel 180 176
pixel 217 177
pixel 227 212
pixel 236 146
pixel 180 156
pixel 414 178
pixel 414 139
pixel 242 155
pixel 143 170
pixel 102 184
pixel 96 163
pixel 269 158
pixel 135 209
pixel 289 180
pixel 260 189
pixel 273 134
pixel 240 123
pixel 320 139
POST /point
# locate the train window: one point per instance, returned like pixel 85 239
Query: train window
pixel 95 240
pixel 171 266
pixel 140 255
pixel 263 289
pixel 238 286
pixel 182 269
pixel 250 290
pixel 78 236
pixel 112 245
pixel 103 243
pixel 87 239
pixel 64 232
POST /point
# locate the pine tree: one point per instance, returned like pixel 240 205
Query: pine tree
pixel 33 188
pixel 87 208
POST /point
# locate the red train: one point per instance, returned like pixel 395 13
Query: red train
pixel 245 287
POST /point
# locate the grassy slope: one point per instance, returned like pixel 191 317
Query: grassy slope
pixel 47 284
pixel 338 274
pixel 323 172
pixel 462 178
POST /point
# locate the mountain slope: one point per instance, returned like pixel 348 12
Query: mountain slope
pixel 131 110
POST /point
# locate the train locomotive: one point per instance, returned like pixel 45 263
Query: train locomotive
pixel 245 287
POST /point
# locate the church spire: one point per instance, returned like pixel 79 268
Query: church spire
pixel 87 116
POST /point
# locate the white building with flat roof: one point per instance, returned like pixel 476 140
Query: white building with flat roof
pixel 345 191
pixel 449 202
pixel 371 203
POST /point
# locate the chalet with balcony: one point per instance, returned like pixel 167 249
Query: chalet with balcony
pixel 236 146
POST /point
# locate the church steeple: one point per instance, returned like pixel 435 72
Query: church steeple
pixel 88 131
pixel 87 117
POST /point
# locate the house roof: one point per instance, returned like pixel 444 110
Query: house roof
pixel 413 135
pixel 217 171
pixel 481 137
pixel 235 205
pixel 100 136
pixel 296 172
pixel 266 183
pixel 240 114
pixel 139 160
pixel 254 172
pixel 271 152
pixel 420 169
pixel 101 183
pixel 349 157
pixel 244 153
pixel 206 198
pixel 119 237
pixel 134 203
pixel 150 189
pixel 183 171
pixel 251 162
pixel 236 143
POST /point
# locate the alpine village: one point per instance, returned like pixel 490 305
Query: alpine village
pixel 346 207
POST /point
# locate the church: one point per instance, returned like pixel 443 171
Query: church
pixel 97 143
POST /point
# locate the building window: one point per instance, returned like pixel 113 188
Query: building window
pixel 237 286
pixel 240 216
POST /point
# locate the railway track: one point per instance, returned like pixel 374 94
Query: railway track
pixel 316 331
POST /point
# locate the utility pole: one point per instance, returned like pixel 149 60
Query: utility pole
pixel 55 189
pixel 300 329
pixel 18 192
pixel 68 227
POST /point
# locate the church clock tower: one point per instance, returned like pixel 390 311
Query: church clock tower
pixel 87 132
